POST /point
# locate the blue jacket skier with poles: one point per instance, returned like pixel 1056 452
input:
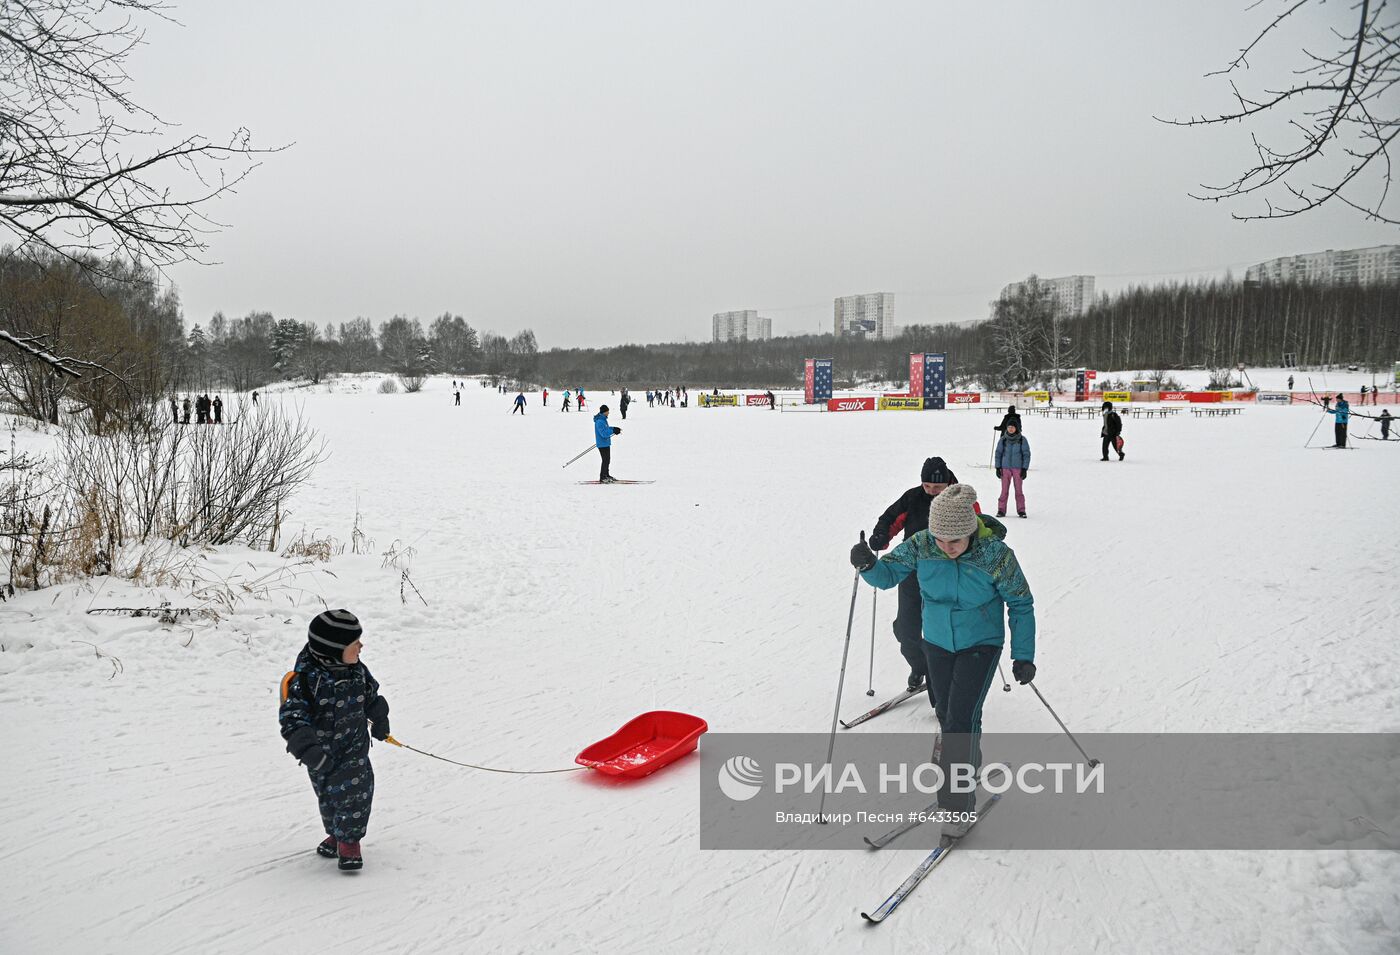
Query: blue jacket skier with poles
pixel 603 435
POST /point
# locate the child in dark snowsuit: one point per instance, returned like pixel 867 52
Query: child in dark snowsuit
pixel 328 705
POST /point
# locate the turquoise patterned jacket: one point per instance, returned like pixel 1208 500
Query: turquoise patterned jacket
pixel 963 597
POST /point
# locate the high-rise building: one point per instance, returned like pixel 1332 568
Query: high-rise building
pixel 1380 263
pixel 1071 294
pixel 869 316
pixel 742 325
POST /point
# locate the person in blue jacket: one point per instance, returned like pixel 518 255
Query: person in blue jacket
pixel 603 435
pixel 966 577
pixel 1013 462
pixel 519 404
pixel 1342 414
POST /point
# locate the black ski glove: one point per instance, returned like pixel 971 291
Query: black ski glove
pixel 378 713
pixel 1023 671
pixel 316 758
pixel 879 541
pixel 617 430
pixel 1025 473
pixel 862 557
pixel 998 472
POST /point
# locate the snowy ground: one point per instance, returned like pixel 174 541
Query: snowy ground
pixel 1222 578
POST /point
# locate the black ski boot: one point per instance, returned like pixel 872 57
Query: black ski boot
pixel 327 848
pixel 350 858
pixel 917 681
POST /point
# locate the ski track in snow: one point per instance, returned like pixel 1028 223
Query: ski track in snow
pixel 1222 578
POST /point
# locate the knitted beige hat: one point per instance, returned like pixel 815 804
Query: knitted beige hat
pixel 951 515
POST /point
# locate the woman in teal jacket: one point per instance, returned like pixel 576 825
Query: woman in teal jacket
pixel 966 575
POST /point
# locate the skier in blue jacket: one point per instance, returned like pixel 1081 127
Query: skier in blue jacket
pixel 966 577
pixel 1342 414
pixel 603 435
pixel 1013 463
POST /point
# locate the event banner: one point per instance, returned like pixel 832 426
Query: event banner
pixel 761 400
pixel 1117 397
pixel 1084 380
pixel 850 404
pixel 1274 397
pixel 1172 396
pixel 809 377
pixel 965 397
pixel 935 380
pixel 891 403
pixel 719 401
pixel 1045 395
pixel 916 375
pixel 821 379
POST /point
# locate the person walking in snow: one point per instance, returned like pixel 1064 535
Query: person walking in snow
pixel 970 584
pixel 331 706
pixel 1111 432
pixel 909 515
pixel 456 397
pixel 1341 414
pixel 603 435
pixel 255 397
pixel 772 401
pixel 519 404
pixel 1385 420
pixel 218 406
pixel 565 406
pixel 579 395
pixel 1013 463
pixel 187 410
pixel 174 411
pixel 1290 382
pixel 544 398
pixel 624 402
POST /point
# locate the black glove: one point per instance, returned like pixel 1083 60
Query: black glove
pixel 617 430
pixel 1025 473
pixel 998 472
pixel 862 557
pixel 378 713
pixel 1023 671
pixel 879 541
pixel 315 758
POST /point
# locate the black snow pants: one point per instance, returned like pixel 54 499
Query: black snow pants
pixel 960 681
pixel 1340 433
pixel 606 454
pixel 345 794
pixel 909 629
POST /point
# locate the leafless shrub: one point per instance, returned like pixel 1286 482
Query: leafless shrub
pixel 312 547
pixel 412 383
pixel 387 387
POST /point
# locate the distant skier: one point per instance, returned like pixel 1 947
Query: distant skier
pixel 331 706
pixel 187 410
pixel 580 399
pixel 544 398
pixel 1385 420
pixel 624 402
pixel 174 411
pixel 650 398
pixel 255 397
pixel 519 404
pixel 603 435
pixel 1290 382
pixel 969 584
pixel 1342 414
pixel 456 397
pixel 1012 416
pixel 772 401
pixel 1112 431
pixel 909 515
pixel 218 407
pixel 565 406
pixel 1013 463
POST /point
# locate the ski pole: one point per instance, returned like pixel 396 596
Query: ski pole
pixel 1092 762
pixel 591 447
pixel 1005 687
pixel 874 602
pixel 840 683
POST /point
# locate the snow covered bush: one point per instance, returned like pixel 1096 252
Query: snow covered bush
pixel 412 383
pixel 387 387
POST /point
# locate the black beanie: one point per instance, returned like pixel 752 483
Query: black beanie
pixel 1107 406
pixel 603 409
pixel 936 472
pixel 333 630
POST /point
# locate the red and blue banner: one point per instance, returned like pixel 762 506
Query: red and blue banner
pixel 935 381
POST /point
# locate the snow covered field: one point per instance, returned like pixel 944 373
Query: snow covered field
pixel 1222 578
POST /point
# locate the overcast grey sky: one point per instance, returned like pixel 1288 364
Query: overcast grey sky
pixel 618 171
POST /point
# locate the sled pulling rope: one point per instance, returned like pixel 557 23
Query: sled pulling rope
pixel 489 769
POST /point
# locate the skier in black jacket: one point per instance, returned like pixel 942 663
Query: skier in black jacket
pixel 1012 416
pixel 910 515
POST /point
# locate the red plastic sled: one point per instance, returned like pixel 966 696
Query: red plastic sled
pixel 644 744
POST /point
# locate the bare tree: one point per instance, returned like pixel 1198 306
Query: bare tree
pixel 1342 116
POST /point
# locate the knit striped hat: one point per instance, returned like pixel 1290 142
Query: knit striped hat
pixel 333 630
pixel 952 515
